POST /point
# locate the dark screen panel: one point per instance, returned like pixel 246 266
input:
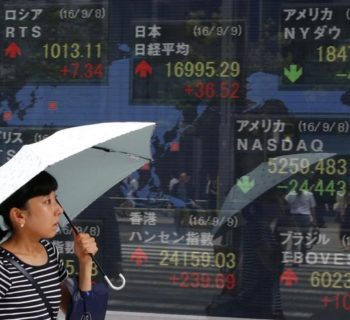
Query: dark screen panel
pixel 244 210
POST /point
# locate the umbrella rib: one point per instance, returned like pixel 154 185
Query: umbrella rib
pixel 123 152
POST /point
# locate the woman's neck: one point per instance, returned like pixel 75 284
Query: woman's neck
pixel 21 243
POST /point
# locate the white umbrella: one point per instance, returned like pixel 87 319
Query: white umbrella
pixel 85 160
pixel 259 180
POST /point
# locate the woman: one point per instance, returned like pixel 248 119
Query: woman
pixel 32 214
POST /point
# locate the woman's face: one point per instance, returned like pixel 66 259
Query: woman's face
pixel 42 215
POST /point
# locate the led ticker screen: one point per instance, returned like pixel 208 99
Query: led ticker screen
pixel 244 210
pixel 54 44
pixel 179 61
pixel 292 134
pixel 12 139
pixel 315 45
pixel 289 165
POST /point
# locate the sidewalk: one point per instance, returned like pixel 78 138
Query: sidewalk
pixel 119 315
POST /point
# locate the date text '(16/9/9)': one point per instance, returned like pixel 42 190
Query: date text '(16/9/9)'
pixel 203 221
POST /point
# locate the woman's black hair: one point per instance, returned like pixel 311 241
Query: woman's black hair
pixel 41 185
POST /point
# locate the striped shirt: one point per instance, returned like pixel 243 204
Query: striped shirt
pixel 19 298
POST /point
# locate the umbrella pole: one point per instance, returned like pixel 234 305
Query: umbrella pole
pixel 111 285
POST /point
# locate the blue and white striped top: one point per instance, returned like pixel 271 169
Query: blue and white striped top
pixel 19 298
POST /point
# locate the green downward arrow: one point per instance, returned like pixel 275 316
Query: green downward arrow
pixel 293 73
pixel 245 184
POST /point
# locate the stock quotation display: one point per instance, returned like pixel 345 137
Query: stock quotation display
pixel 290 162
pixel 54 44
pixel 298 150
pixel 244 210
pixel 315 46
pixel 178 61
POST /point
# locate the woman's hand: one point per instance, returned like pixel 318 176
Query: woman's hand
pixel 84 245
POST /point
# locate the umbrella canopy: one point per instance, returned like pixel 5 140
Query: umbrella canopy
pixel 259 181
pixel 85 160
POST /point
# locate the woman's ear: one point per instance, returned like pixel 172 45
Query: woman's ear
pixel 17 217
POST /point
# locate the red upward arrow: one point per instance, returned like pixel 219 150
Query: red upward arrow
pixel 143 69
pixel 289 277
pixel 13 50
pixel 139 256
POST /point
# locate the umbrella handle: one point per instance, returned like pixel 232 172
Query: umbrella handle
pixel 75 230
pixel 112 286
